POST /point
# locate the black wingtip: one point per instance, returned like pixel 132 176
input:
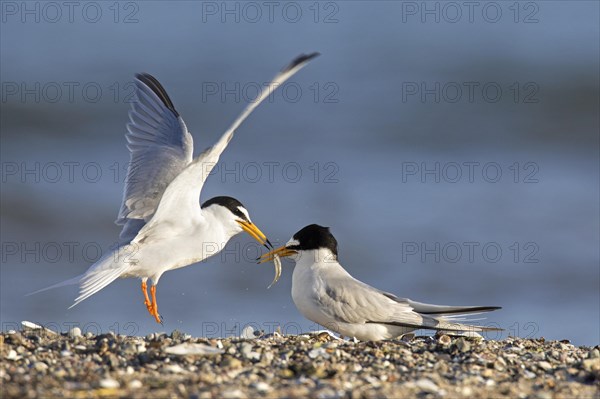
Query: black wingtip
pixel 470 309
pixel 490 308
pixel 158 89
pixel 301 59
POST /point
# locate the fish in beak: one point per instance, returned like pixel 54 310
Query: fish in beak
pixel 275 255
pixel 281 252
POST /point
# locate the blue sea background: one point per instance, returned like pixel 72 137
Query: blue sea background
pixel 347 144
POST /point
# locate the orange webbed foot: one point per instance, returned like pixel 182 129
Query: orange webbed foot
pixel 151 304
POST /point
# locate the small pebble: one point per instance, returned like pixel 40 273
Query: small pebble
pixel 109 383
pixel 528 374
pixel 487 373
pixel 75 332
pixel 591 364
pixel 40 366
pixel 427 385
pixel 262 386
pixel 444 339
pixel 174 369
pixel 318 352
pixel 12 355
pixel 500 364
pixel 232 394
pixel 463 345
pixel 232 362
pixel 135 384
pixel 246 349
pixel 544 365
pixel 189 349
pixel 247 333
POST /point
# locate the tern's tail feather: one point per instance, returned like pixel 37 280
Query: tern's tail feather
pixel 98 276
pixel 429 309
pixel 455 318
pixel 101 274
pixel 440 324
pixel 452 325
pixel 71 281
pixel 443 318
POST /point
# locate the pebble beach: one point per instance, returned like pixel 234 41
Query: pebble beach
pixel 37 362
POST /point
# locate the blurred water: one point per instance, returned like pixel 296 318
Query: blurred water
pixel 360 140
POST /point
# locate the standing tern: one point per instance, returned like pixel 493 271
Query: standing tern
pixel 325 293
pixel 164 226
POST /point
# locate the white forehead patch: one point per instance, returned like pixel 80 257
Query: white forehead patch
pixel 292 242
pixel 244 211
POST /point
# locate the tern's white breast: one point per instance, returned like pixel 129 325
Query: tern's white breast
pixel 316 274
pixel 167 248
pixel 309 284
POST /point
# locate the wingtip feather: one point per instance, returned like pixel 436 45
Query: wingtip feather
pixel 300 60
pixel 158 89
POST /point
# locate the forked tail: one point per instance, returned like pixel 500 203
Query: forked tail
pixel 71 281
pixel 98 276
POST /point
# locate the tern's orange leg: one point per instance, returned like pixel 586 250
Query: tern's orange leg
pixel 146 298
pixel 155 305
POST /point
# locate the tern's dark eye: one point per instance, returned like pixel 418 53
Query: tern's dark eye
pixel 230 203
pixel 240 214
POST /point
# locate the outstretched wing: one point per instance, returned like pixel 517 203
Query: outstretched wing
pixel 180 200
pixel 160 147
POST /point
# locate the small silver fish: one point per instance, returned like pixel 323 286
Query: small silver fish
pixel 277 263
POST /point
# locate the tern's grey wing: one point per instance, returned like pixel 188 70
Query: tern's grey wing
pixel 348 300
pixel 440 310
pixel 160 147
pixel 351 301
pixel 182 196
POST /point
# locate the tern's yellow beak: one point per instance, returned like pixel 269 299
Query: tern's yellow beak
pixel 281 251
pixel 255 233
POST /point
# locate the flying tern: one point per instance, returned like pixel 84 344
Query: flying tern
pixel 164 225
pixel 325 293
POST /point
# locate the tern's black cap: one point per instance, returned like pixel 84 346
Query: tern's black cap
pixel 314 236
pixel 228 202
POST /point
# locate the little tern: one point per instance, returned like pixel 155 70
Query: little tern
pixel 325 293
pixel 164 225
